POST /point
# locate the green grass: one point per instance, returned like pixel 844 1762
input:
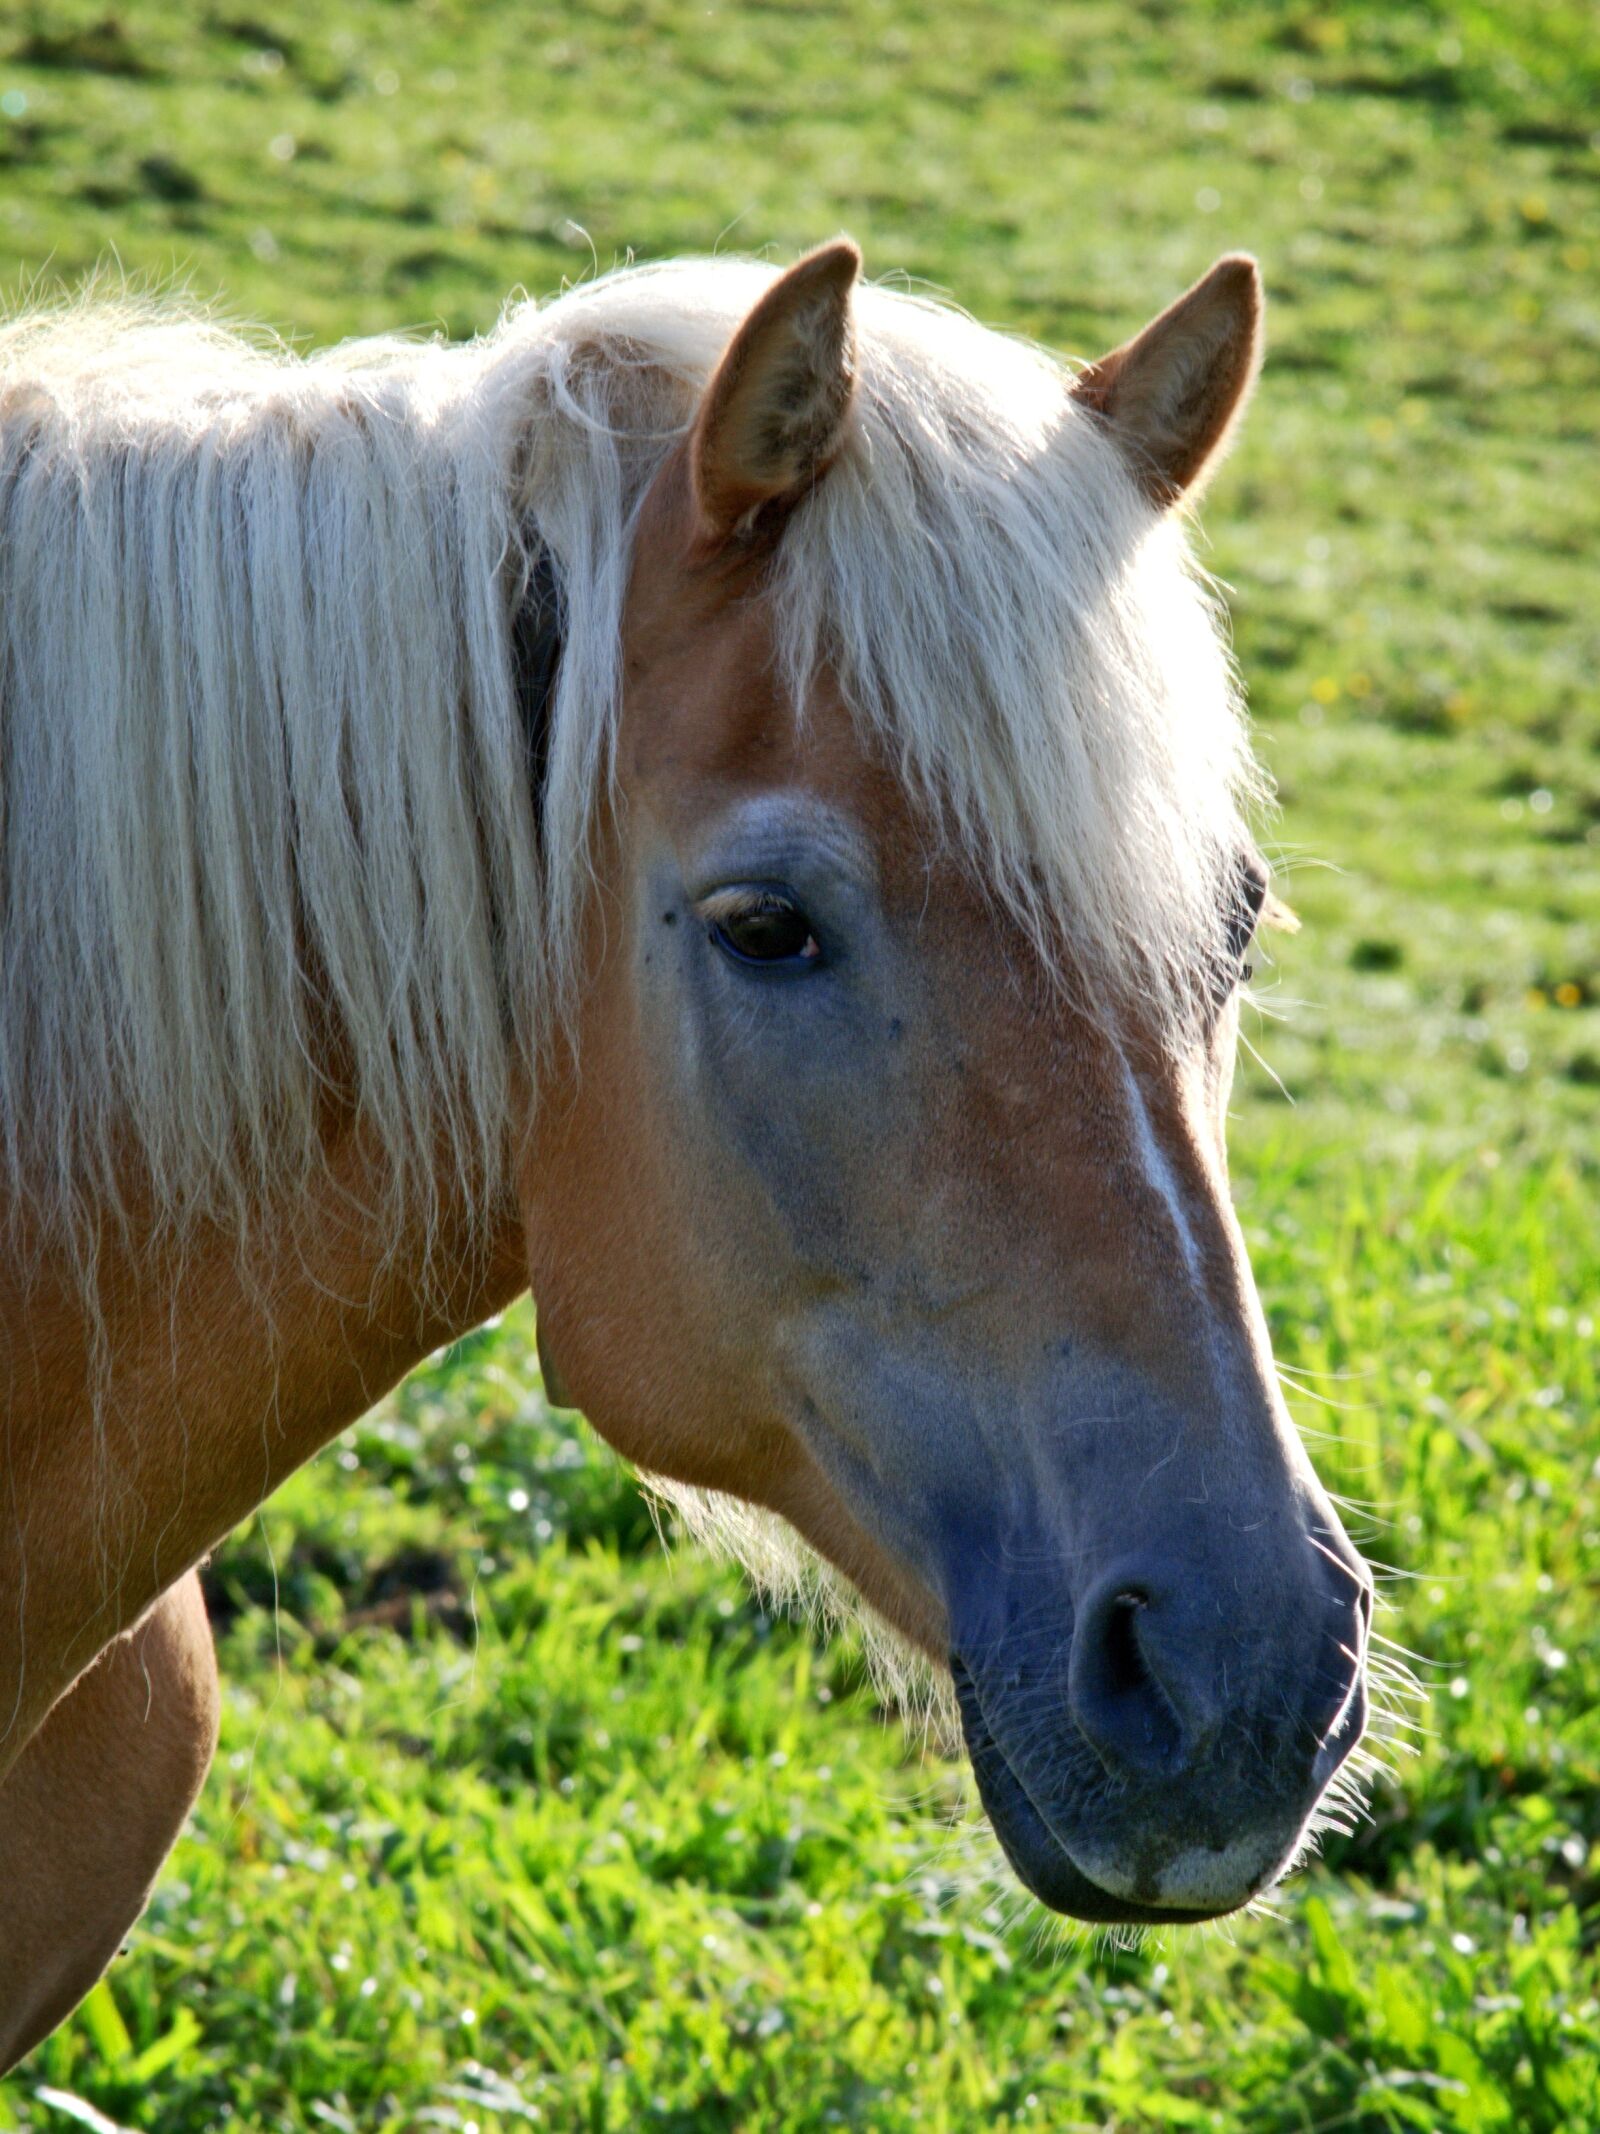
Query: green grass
pixel 518 1822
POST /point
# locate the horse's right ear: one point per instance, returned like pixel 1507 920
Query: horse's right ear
pixel 775 414
pixel 1173 394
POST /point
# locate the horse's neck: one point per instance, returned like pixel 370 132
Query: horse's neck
pixel 135 1435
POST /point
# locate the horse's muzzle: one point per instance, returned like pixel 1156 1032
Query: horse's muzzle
pixel 1154 1766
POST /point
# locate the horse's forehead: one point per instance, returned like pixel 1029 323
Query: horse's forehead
pixel 708 717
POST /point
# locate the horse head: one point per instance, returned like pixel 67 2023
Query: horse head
pixel 880 1176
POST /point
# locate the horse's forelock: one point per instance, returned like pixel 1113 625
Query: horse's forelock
pixel 264 759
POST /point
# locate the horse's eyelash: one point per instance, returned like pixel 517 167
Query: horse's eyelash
pixel 725 904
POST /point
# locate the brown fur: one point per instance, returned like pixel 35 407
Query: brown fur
pixel 92 1807
pixel 222 1378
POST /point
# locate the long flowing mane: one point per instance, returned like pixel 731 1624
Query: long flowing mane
pixel 265 793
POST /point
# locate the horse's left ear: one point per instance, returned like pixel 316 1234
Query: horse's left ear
pixel 1173 394
pixel 774 415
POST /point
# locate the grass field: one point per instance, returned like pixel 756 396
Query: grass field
pixel 518 1822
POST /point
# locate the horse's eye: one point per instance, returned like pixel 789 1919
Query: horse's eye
pixel 762 926
pixel 1250 894
pixel 1247 895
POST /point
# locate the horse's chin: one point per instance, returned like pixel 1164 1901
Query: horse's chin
pixel 1040 1861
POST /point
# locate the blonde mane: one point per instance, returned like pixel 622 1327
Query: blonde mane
pixel 264 782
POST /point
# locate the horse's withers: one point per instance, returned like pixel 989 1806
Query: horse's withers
pixel 927 1245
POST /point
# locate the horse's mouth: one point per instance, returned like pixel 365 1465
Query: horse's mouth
pixel 1039 1859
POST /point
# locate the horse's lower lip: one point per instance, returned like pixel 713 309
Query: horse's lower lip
pixel 1041 1862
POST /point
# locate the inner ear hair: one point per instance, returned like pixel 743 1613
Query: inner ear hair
pixel 776 412
pixel 1174 393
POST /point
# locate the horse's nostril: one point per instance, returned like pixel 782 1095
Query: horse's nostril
pixel 1125 1660
pixel 1122 1707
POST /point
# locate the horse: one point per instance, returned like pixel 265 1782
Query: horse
pixel 724 801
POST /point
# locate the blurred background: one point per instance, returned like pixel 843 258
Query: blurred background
pixel 519 1822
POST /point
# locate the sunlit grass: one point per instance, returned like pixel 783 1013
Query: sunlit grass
pixel 518 1822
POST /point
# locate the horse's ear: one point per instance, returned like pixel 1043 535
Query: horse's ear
pixel 775 413
pixel 1174 392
